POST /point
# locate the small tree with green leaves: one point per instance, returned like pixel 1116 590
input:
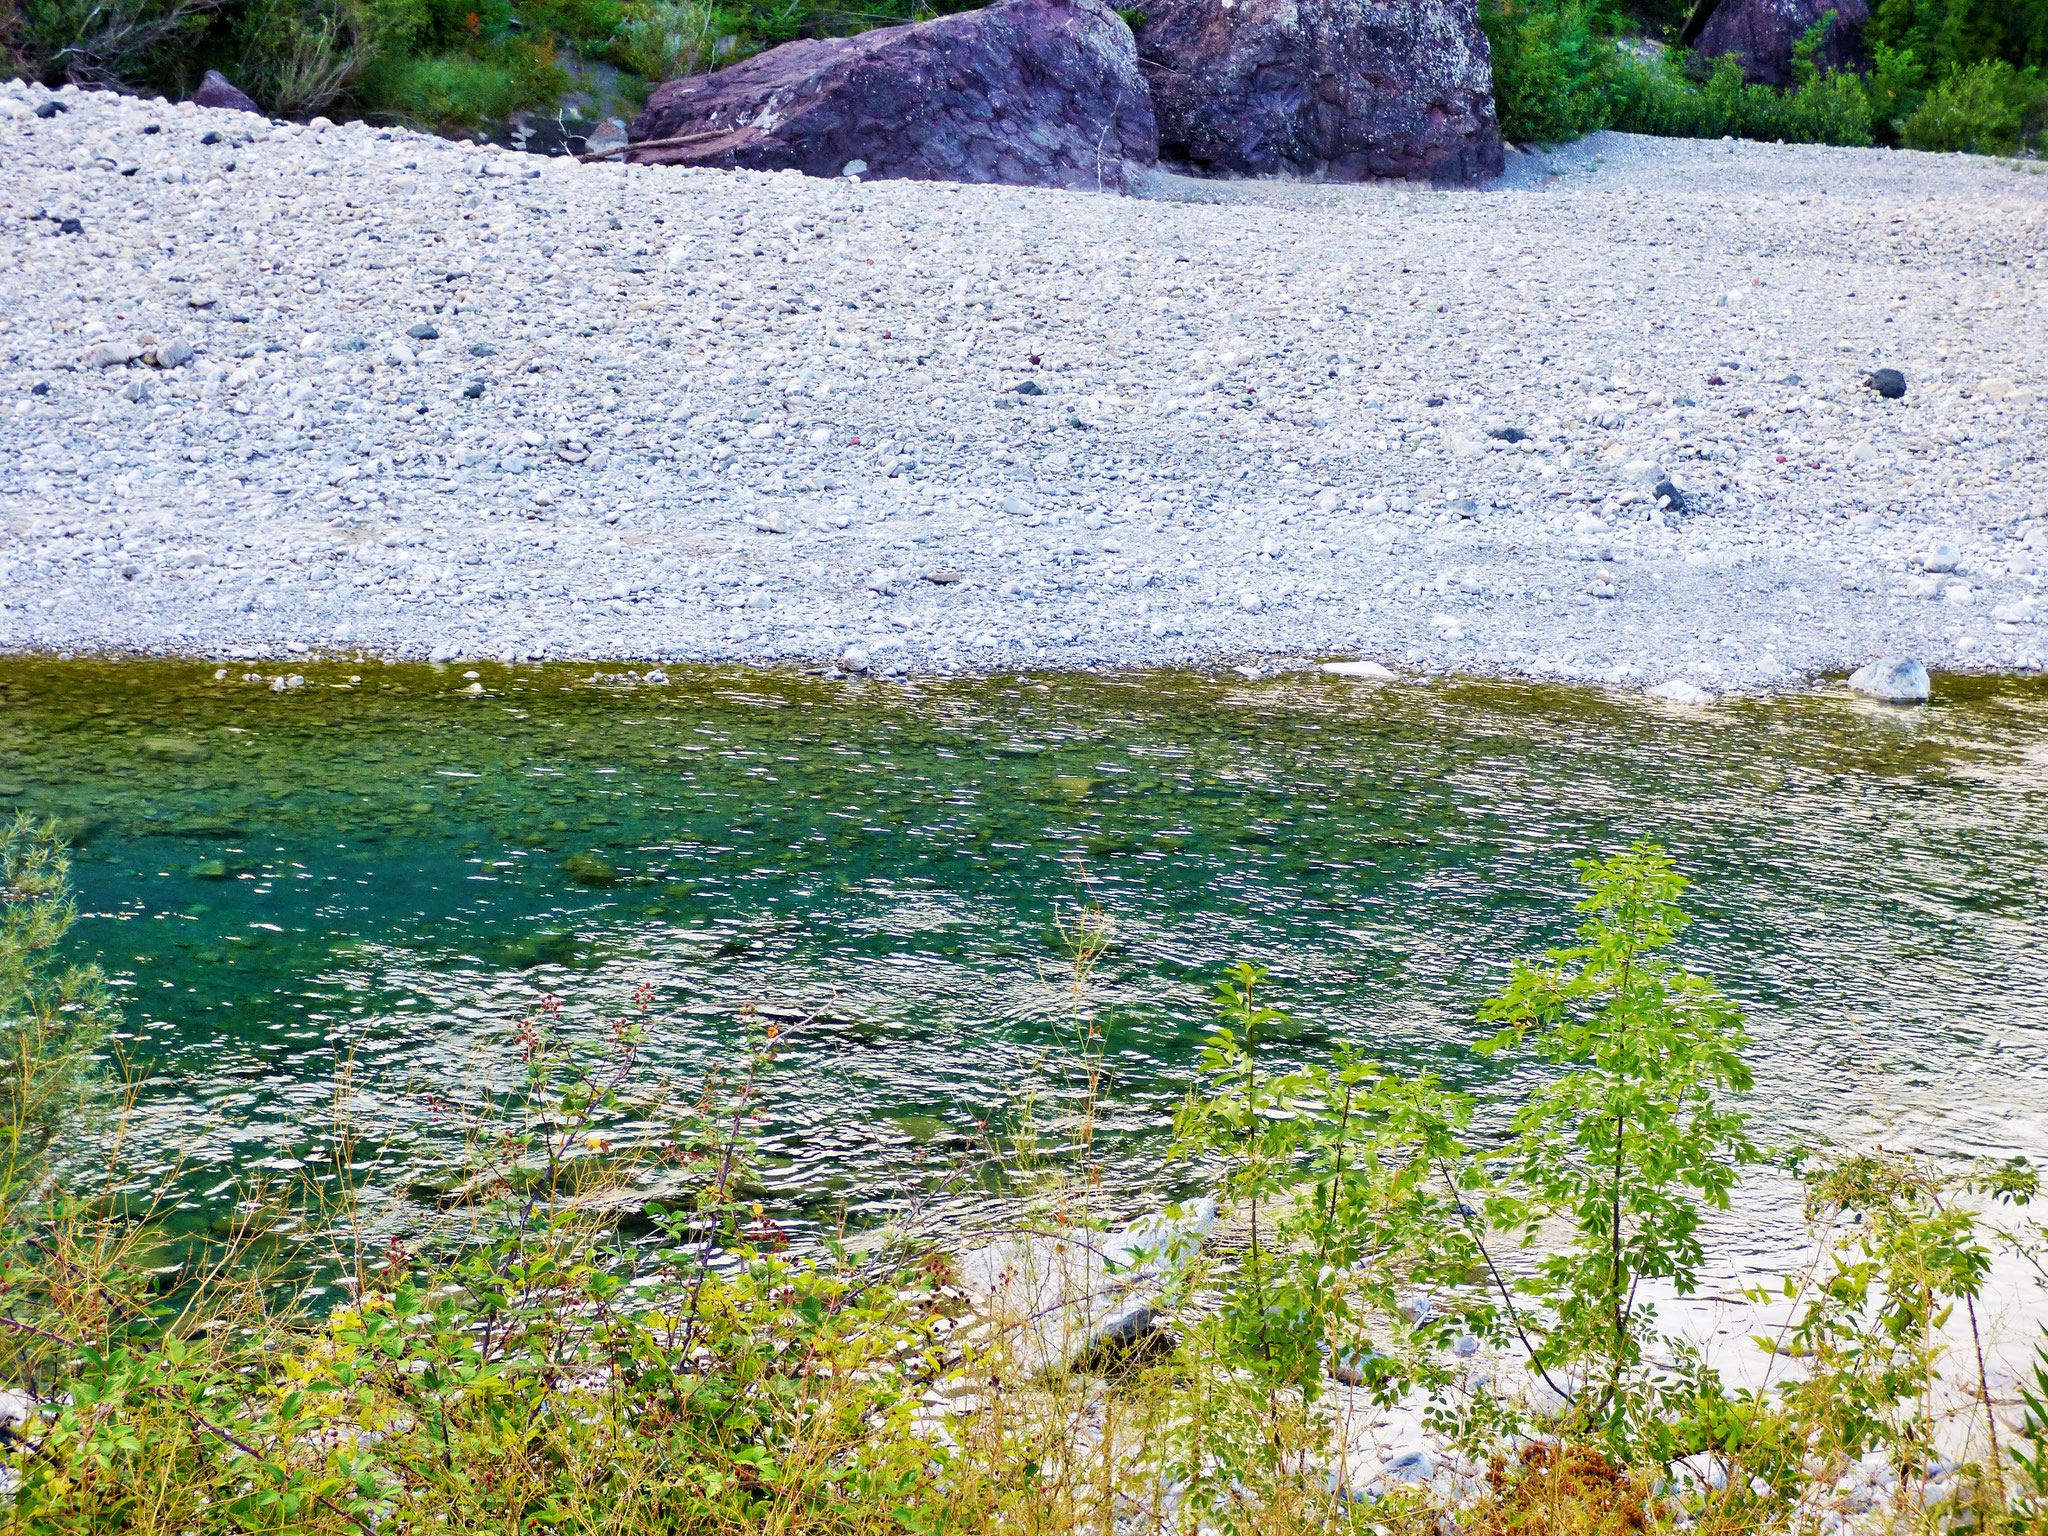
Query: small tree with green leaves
pixel 1358 1255
pixel 1629 1142
pixel 52 1017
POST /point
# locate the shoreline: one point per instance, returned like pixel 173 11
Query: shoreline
pixel 478 405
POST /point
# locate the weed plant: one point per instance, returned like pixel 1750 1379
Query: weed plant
pixel 522 1366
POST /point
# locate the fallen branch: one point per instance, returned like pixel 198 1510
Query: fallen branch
pixel 627 149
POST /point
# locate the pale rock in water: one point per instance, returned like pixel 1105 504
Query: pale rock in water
pixel 1895 680
pixel 1678 691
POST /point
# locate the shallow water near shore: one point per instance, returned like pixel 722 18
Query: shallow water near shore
pixel 379 872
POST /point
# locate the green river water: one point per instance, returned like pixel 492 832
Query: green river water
pixel 384 869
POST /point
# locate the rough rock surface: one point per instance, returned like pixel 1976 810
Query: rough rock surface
pixel 1763 33
pixel 1042 93
pixel 220 93
pixel 1334 90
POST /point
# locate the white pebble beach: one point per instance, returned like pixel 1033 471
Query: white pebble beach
pixel 303 389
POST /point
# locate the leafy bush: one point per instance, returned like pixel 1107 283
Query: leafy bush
pixel 458 90
pixel 1630 1141
pixel 668 38
pixel 1660 99
pixel 299 56
pixel 1987 108
pixel 1945 74
pixel 1944 35
pixel 52 1019
pixel 1554 63
pixel 107 42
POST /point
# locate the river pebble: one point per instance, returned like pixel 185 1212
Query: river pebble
pixel 346 387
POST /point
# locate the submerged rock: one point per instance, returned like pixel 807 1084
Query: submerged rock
pixel 1894 680
pixel 1332 90
pixel 1041 93
pixel 175 749
pixel 589 869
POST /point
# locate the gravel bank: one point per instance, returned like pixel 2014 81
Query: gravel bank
pixel 416 397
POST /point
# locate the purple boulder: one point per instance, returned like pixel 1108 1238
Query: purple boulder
pixel 1328 90
pixel 1763 33
pixel 1042 93
pixel 217 91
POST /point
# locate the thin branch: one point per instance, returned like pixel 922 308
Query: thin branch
pixel 1506 1296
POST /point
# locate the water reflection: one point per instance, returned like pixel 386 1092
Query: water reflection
pixel 382 870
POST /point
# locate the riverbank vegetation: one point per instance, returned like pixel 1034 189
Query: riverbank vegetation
pixel 449 64
pixel 527 1366
pixel 1945 75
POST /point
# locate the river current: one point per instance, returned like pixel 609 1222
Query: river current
pixel 380 870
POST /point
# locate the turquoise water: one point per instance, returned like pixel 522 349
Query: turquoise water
pixel 382 871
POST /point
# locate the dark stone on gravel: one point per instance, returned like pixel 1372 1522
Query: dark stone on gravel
pixel 1508 434
pixel 1670 494
pixel 1763 33
pixel 1030 387
pixel 1888 382
pixel 424 331
pixel 40 387
pixel 1332 90
pixel 1025 93
pixel 211 136
pixel 216 90
pixel 70 227
pixel 474 390
pixel 50 109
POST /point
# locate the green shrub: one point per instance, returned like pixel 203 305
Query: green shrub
pixel 1987 108
pixel 1554 64
pixel 1895 87
pixel 1823 109
pixel 1946 34
pixel 1945 74
pixel 419 27
pixel 453 90
pixel 300 56
pixel 668 38
pixel 52 1018
pixel 107 42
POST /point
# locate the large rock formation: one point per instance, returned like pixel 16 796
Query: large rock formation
pixel 1027 92
pixel 1763 33
pixel 216 90
pixel 1335 90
